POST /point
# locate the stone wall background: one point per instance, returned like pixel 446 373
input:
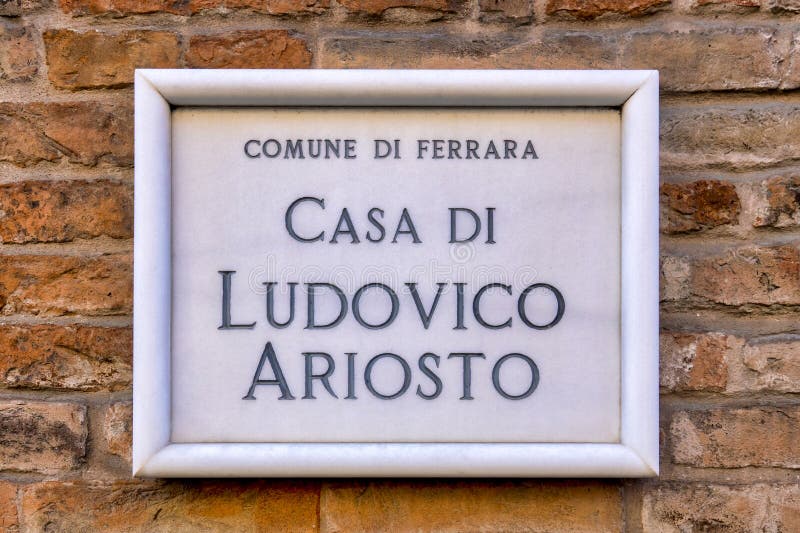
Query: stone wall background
pixel 730 270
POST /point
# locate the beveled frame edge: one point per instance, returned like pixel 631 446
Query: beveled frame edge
pixel 635 92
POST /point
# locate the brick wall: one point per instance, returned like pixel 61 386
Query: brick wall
pixel 730 256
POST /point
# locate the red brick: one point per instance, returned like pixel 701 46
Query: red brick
pixel 117 427
pixel 88 133
pixel 750 275
pixel 96 60
pixel 581 9
pixel 190 7
pixel 696 361
pixel 61 211
pixel 50 285
pixel 447 506
pixel 732 509
pixel 248 49
pixel 724 6
pixel 699 205
pixel 729 364
pixel 19 60
pixel 765 436
pixel 9 522
pixel 273 7
pixel 750 278
pixel 143 507
pixel 43 437
pixel 378 7
pixel 65 357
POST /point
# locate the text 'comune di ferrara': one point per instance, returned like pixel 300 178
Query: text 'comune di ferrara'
pixel 469 149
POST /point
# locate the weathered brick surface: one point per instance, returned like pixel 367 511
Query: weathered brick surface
pixel 746 276
pixel 729 364
pixel 117 427
pixel 65 357
pixel 736 437
pixel 693 59
pixel 94 59
pixel 50 285
pixel 732 509
pixel 693 361
pixel 16 8
pixel 79 132
pixel 190 7
pixel 705 59
pixel 769 365
pixel 43 437
pixel 248 49
pixel 582 9
pixel 555 50
pixel 506 10
pixel 19 60
pixel 783 6
pixel 470 506
pixel 9 521
pixel 699 205
pixel 764 276
pixel 61 211
pixel 729 136
pixel 378 7
pixel 776 202
pixel 734 6
pixel 147 507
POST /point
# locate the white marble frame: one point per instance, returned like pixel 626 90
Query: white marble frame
pixel 157 91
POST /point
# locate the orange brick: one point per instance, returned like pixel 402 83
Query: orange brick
pixel 61 211
pixel 143 507
pixel 378 7
pixel 65 357
pixel 248 49
pixel 59 285
pixel 9 521
pixel 94 60
pixel 581 9
pixel 447 506
pixel 79 132
pixel 190 7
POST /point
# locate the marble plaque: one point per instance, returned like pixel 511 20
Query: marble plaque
pixel 266 196
pixel 352 288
